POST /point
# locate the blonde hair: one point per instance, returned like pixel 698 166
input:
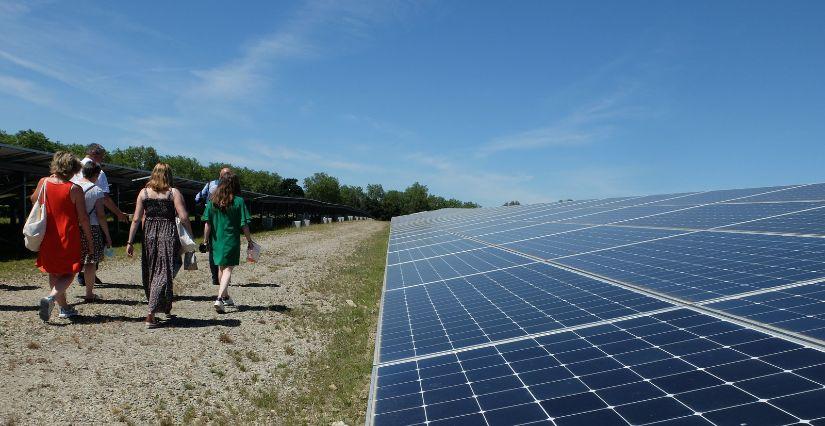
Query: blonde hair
pixel 65 165
pixel 161 179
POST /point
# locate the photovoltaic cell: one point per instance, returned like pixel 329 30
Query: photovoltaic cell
pixel 521 230
pixel 707 265
pixel 810 222
pixel 499 305
pixel 433 250
pixel 716 215
pixel 797 309
pixel 746 194
pixel 678 366
pixel 586 240
pixel 619 215
pixel 800 193
pixel 450 266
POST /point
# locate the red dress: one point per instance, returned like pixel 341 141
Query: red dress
pixel 60 249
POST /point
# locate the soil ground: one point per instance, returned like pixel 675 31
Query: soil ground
pixel 247 365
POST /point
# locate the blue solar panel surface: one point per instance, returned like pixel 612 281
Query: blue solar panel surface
pixel 670 366
pixel 695 308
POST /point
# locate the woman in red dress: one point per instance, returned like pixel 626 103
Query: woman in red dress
pixel 66 217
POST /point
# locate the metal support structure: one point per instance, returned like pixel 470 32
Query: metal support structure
pixel 23 199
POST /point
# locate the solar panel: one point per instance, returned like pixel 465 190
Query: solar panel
pixel 797 309
pixel 670 366
pixel 693 308
pixel 707 265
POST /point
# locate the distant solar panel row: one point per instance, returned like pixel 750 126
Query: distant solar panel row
pixel 574 313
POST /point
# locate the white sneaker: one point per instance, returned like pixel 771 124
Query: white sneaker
pixel 68 312
pixel 219 306
pixel 228 302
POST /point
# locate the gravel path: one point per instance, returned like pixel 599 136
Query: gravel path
pixel 107 367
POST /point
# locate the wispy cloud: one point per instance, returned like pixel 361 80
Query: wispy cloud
pixel 302 36
pixel 582 126
pixel 489 189
pixel 379 125
pixel 24 89
pixel 250 73
pixel 270 153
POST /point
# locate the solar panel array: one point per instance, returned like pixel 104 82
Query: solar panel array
pixel 690 308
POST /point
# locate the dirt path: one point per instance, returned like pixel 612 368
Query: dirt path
pixel 107 367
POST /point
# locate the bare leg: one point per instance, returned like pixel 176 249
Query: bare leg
pixel 59 283
pixel 225 276
pixel 89 272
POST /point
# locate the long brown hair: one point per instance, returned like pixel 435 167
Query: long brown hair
pixel 161 179
pixel 228 188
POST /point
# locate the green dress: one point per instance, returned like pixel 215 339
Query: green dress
pixel 226 227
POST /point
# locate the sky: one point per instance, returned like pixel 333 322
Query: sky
pixel 484 101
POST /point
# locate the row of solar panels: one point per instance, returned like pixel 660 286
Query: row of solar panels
pixel 728 280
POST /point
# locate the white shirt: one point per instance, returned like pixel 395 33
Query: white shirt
pixel 91 193
pixel 102 182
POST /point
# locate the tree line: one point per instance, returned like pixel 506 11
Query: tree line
pixel 379 203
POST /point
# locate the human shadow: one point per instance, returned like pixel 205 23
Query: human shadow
pixel 17 308
pixel 115 285
pixel 269 308
pixel 109 302
pixel 180 322
pixel 101 319
pixel 7 287
pixel 195 298
pixel 256 285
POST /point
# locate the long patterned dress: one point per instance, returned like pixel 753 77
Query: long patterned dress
pixel 161 252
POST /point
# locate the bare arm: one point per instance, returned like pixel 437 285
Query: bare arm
pixel 33 197
pixel 107 201
pixel 80 204
pixel 206 231
pixel 138 216
pixel 180 207
pixel 101 219
pixel 248 236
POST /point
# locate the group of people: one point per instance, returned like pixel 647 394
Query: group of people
pixel 77 238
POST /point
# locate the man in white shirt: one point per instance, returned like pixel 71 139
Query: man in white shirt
pixel 95 152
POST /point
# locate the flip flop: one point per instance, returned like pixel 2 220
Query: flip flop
pixel 150 325
pixel 94 298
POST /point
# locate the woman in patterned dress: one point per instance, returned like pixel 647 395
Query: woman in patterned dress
pixel 156 207
pixel 66 218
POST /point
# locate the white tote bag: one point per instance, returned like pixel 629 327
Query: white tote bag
pixel 187 244
pixel 35 228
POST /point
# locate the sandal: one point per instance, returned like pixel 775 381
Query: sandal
pixel 150 325
pixel 94 298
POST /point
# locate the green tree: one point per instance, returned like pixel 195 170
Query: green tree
pixel 136 157
pixel 323 187
pixel 415 198
pixel 289 188
pixel 393 204
pixel 185 167
pixel 354 196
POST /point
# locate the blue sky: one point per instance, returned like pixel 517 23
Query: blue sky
pixel 479 100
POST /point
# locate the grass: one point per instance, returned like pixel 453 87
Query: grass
pixel 336 380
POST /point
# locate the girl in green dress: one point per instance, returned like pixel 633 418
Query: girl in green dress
pixel 225 217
